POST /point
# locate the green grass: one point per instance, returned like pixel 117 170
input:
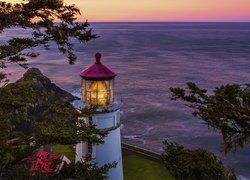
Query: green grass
pixel 137 168
pixel 134 167
pixel 64 149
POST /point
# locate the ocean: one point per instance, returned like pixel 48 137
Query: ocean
pixel 149 59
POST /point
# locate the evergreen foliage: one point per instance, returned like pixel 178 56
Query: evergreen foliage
pixel 61 126
pixel 81 170
pixel 227 109
pixel 35 112
pixel 199 164
pixel 87 169
pixel 40 16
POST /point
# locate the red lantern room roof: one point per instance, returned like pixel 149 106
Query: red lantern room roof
pixel 97 70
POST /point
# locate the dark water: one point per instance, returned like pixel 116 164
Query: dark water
pixel 150 58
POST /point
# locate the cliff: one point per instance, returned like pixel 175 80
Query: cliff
pixel 25 100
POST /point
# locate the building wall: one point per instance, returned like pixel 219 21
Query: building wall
pixel 81 151
pixel 110 151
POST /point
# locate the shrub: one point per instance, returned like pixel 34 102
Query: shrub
pixel 198 164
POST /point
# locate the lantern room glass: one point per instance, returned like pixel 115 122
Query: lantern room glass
pixel 97 93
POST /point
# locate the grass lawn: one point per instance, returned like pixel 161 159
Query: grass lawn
pixel 134 167
pixel 64 149
pixel 137 168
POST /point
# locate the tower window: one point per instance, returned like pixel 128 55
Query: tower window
pixel 90 148
pixel 97 93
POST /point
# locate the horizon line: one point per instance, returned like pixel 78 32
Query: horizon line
pixel 164 21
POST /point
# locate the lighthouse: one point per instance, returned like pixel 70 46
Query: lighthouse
pixel 98 93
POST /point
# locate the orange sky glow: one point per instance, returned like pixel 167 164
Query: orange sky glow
pixel 162 10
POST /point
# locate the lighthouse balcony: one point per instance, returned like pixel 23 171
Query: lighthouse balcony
pixel 82 103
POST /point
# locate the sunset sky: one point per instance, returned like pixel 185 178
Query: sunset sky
pixel 162 10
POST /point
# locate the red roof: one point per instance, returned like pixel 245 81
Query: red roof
pixel 45 162
pixel 97 70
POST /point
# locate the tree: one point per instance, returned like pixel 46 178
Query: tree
pixel 45 116
pixel 39 16
pixel 58 121
pixel 86 169
pixel 59 127
pixel 227 109
pixel 187 164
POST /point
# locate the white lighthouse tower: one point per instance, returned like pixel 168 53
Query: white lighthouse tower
pixel 98 93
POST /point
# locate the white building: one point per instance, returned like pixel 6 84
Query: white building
pixel 98 93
